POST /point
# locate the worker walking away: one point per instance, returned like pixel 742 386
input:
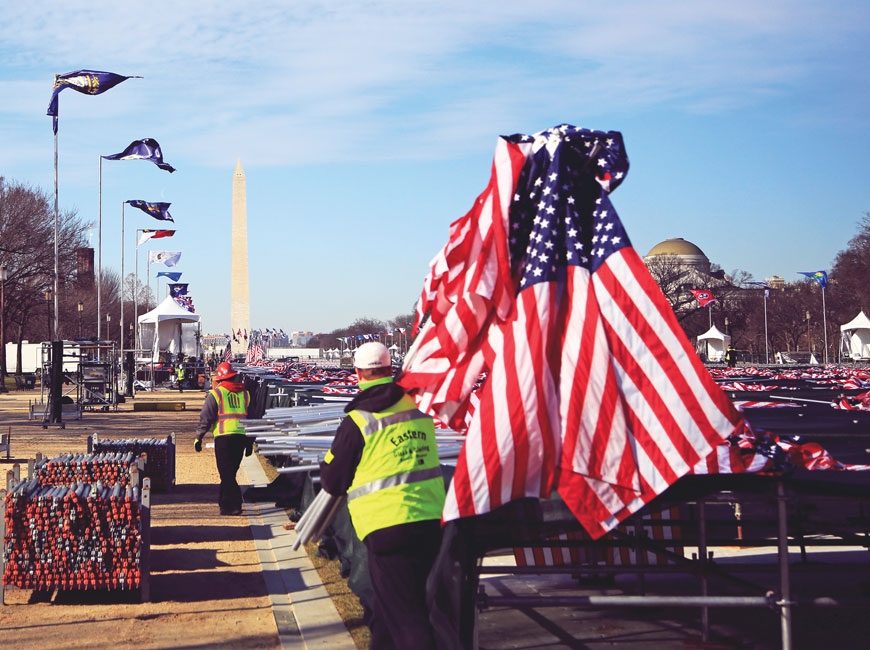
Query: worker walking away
pixel 385 458
pixel 225 405
pixel 731 356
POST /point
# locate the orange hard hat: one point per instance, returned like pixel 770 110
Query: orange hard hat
pixel 224 371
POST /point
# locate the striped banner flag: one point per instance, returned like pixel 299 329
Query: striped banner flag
pixel 588 384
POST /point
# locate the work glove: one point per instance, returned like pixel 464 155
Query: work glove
pixel 249 448
pixel 197 445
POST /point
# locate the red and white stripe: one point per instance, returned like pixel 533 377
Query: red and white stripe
pixel 592 389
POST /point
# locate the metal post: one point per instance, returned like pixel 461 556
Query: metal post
pixel 766 354
pixel 4 274
pixel 136 296
pixel 48 313
pixel 121 290
pixel 809 344
pixel 825 325
pixel 81 308
pixel 56 249
pixel 784 577
pixel 99 247
pixel 702 559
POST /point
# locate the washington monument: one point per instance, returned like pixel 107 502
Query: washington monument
pixel 240 301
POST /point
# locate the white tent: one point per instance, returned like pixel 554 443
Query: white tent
pixel 169 329
pixel 855 337
pixel 712 344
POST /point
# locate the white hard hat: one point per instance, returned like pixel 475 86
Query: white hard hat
pixel 372 355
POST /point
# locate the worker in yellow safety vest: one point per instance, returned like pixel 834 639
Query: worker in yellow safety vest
pixel 385 458
pixel 224 407
pixel 180 375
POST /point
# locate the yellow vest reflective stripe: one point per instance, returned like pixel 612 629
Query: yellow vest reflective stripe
pixel 179 373
pixel 399 478
pixel 391 481
pixel 232 407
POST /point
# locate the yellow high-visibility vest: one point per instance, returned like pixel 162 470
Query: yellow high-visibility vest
pixel 399 478
pixel 232 407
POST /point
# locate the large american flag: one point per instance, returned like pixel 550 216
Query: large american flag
pixel 590 386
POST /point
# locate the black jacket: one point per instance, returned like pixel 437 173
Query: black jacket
pixel 347 447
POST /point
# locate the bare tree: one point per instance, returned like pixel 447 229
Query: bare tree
pixel 27 239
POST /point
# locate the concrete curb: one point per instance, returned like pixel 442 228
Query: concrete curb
pixel 304 612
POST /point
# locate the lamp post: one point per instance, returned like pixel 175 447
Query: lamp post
pixel 4 275
pixel 108 324
pixel 80 308
pixel 726 326
pixel 48 295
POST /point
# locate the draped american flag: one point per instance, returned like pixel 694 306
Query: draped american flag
pixel 590 385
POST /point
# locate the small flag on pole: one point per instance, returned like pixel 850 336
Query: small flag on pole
pixel 169 258
pixel 88 82
pixel 703 296
pixel 175 276
pixel 178 289
pixel 145 149
pixel 761 285
pixel 154 234
pixel 819 276
pixel 157 210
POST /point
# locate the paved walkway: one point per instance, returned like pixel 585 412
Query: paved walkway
pixel 304 612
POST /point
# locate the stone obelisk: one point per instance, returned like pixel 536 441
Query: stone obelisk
pixel 240 302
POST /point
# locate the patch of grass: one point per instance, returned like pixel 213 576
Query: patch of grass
pixel 346 602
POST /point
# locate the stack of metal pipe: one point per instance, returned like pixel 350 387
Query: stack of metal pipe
pixel 295 439
pixel 317 517
pixel 159 455
pixel 72 537
pixel 106 467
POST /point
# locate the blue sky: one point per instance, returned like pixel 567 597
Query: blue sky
pixel 365 129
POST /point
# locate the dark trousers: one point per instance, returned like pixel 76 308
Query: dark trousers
pixel 400 558
pixel 228 452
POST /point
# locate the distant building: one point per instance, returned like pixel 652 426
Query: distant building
pixel 300 339
pixel 687 253
pixel 776 282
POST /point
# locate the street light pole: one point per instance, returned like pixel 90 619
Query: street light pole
pixel 108 324
pixel 4 275
pixel 81 308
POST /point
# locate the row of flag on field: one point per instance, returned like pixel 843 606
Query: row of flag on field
pixel 375 336
pixel 94 82
pixel 705 296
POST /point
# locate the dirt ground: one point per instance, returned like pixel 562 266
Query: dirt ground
pixel 207 590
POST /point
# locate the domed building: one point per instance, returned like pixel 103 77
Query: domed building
pixel 685 252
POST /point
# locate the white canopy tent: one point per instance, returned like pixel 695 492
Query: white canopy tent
pixel 167 330
pixel 712 344
pixel 855 338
